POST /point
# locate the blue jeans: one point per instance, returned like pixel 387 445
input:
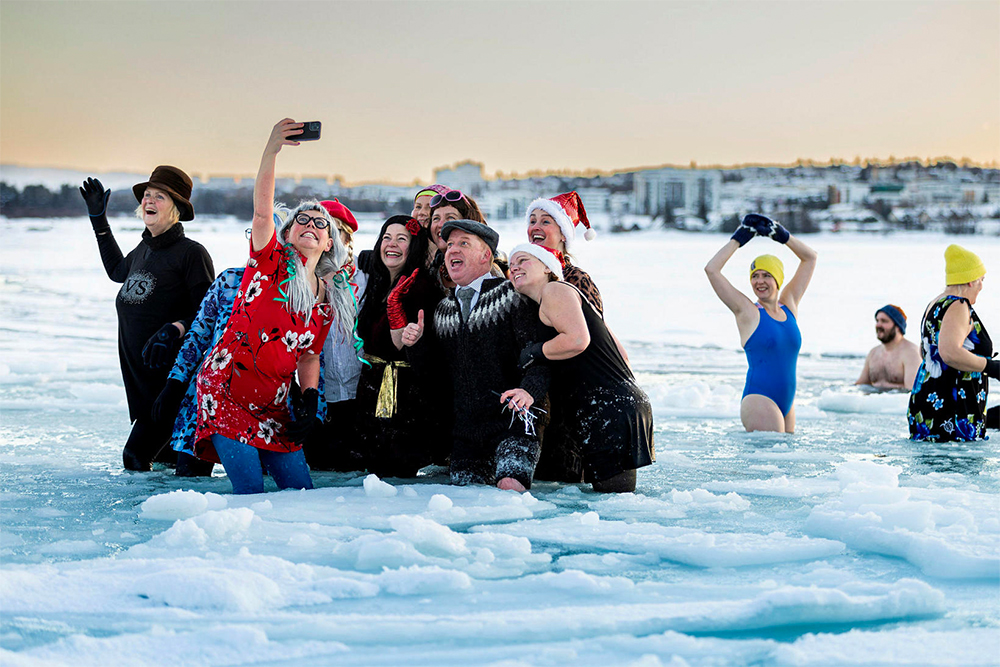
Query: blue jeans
pixel 245 466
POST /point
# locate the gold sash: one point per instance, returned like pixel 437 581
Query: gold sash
pixel 385 406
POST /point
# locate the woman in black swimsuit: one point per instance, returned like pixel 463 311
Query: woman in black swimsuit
pixel 608 415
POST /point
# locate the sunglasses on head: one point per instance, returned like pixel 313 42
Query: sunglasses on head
pixel 319 222
pixel 450 196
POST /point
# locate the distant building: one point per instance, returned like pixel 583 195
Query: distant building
pixel 224 181
pixel 685 190
pixel 595 200
pixel 504 205
pixel 465 176
pixel 380 192
pixel 621 202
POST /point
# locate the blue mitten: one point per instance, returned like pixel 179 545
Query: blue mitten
pixel 764 226
pixel 743 233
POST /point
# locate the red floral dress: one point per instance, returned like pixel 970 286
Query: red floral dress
pixel 244 381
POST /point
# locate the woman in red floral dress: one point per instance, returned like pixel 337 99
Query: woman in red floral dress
pixel 280 318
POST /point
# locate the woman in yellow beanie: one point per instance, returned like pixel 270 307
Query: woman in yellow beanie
pixel 949 394
pixel 769 331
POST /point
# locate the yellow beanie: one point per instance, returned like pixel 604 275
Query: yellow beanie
pixel 962 266
pixel 772 265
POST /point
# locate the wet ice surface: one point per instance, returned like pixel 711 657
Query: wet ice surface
pixel 842 544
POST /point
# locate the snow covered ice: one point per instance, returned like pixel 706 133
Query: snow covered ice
pixel 844 544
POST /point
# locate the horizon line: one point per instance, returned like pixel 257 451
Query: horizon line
pixel 857 161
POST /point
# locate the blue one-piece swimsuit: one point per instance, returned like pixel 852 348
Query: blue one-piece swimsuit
pixel 772 352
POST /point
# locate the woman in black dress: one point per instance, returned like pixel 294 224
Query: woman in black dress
pixel 399 430
pixel 608 415
pixel 164 280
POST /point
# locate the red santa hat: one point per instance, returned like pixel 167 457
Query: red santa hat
pixel 568 212
pixel 550 258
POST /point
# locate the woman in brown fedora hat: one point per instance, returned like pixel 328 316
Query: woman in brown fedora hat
pixel 163 281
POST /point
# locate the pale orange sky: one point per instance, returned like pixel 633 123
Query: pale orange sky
pixel 404 87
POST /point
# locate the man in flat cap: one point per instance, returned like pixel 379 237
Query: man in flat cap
pixel 894 363
pixel 479 332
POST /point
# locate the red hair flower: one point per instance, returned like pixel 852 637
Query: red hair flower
pixel 413 227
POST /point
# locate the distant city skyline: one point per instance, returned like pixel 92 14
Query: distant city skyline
pixel 403 88
pixel 584 173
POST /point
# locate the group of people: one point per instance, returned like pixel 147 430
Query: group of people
pixel 947 375
pixel 433 347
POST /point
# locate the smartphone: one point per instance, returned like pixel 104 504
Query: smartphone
pixel 310 131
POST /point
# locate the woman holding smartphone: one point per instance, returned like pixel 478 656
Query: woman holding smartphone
pixel 284 309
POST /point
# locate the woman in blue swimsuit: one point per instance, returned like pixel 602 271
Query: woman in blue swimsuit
pixel 769 331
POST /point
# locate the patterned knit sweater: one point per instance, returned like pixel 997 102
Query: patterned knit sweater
pixel 481 356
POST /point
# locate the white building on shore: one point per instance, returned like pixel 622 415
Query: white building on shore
pixel 684 190
pixel 465 176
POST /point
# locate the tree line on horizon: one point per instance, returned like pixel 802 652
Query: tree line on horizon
pixel 37 201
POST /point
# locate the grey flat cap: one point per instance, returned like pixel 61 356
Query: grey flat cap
pixel 480 229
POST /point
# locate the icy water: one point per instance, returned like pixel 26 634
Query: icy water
pixel 843 544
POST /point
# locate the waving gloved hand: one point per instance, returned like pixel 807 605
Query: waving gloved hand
pixel 160 347
pixel 764 226
pixel 96 197
pixel 304 419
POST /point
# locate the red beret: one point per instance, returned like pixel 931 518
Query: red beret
pixel 341 212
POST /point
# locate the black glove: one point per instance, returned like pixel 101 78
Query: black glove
pixel 365 261
pixel 992 369
pixel 767 227
pixel 304 407
pixel 530 356
pixel 97 202
pixel 743 233
pixel 169 401
pixel 159 349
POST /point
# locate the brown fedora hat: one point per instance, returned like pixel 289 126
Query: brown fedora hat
pixel 173 181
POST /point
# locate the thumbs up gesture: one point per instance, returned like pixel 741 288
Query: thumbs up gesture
pixel 413 331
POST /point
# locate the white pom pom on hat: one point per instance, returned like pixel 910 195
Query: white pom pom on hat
pixel 568 212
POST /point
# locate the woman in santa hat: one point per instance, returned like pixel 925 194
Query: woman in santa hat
pixel 552 224
pixel 608 416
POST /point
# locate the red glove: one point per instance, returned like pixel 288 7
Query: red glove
pixel 393 304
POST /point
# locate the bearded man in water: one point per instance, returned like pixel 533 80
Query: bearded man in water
pixel 894 363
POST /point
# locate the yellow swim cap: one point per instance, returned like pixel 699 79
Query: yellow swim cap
pixel 961 266
pixel 772 265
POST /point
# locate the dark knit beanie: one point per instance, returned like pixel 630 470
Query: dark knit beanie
pixel 896 314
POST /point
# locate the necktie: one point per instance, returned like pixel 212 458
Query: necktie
pixel 465 295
